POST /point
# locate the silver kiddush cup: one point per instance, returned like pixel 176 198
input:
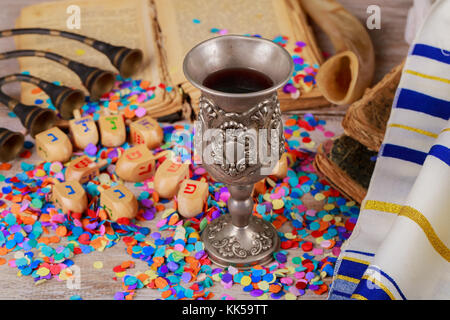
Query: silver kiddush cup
pixel 239 139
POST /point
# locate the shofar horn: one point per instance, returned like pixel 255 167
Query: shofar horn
pixel 126 60
pixel 33 118
pixel 65 99
pixel 343 78
pixel 11 144
pixel 95 80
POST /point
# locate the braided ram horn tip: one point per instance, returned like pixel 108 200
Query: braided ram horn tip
pixel 11 143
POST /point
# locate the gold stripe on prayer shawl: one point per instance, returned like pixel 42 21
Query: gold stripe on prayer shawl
pixel 356 260
pixel 358 296
pixel 424 132
pixel 379 284
pixel 426 226
pixel 382 206
pixel 426 76
pixel 415 216
pixel 349 279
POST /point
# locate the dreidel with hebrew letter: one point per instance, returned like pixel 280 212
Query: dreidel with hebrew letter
pixel 119 202
pixel 83 169
pixel 168 177
pixel 137 164
pixel 70 196
pixel 191 197
pixel 112 130
pixel 147 131
pixel 280 169
pixel 53 145
pixel 83 131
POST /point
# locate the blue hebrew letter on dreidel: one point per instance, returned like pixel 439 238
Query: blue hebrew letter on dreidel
pixel 52 135
pixel 121 193
pixel 84 124
pixel 71 190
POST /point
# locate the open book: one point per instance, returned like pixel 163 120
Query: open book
pixel 128 23
pixel 164 30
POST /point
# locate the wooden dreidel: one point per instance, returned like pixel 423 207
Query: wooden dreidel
pixel 147 131
pixel 137 164
pixel 191 197
pixel 112 130
pixel 83 169
pixel 53 145
pixel 83 130
pixel 70 196
pixel 119 202
pixel 168 177
pixel 280 169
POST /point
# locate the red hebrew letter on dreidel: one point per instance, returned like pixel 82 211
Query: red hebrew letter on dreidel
pixel 148 170
pixel 174 167
pixel 82 163
pixel 191 197
pixel 146 131
pixel 134 155
pixel 135 164
pixel 168 178
pixel 137 138
pixel 190 188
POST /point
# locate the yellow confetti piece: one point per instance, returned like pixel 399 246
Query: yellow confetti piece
pixel 263 285
pixel 327 217
pixel 290 296
pixel 80 52
pixel 121 274
pixel 43 272
pixel 246 280
pixel 277 204
pixel 40 282
pixel 319 196
pixel 40 173
pixel 289 235
pixel 263 297
pixel 98 265
pixel 328 206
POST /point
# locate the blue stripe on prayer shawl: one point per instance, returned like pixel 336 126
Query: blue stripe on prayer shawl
pixel 384 274
pixel 361 252
pixel 370 291
pixel 430 52
pixel 440 152
pixel 416 101
pixel 352 269
pixel 403 153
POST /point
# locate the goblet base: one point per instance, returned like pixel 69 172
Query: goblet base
pixel 241 247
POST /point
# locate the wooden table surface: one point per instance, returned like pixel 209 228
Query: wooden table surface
pixel 390 49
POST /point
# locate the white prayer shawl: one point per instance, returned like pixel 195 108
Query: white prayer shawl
pixel 399 248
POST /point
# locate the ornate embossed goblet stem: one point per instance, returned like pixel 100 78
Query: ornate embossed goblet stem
pixel 239 137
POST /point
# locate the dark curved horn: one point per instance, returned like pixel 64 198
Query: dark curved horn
pixel 33 118
pixel 65 99
pixel 127 61
pixel 11 144
pixel 95 80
